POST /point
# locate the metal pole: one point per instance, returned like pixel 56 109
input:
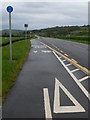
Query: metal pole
pixel 26 33
pixel 10 37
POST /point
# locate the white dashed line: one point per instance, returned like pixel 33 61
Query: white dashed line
pixel 65 109
pixel 74 70
pixel 63 60
pixel 74 78
pixel 48 114
pixel 46 51
pixel 66 55
pixel 68 64
pixel 61 51
pixel 85 78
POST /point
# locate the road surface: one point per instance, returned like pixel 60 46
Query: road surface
pixel 50 86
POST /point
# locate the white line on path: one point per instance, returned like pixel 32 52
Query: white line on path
pixel 48 114
pixel 68 64
pixel 85 78
pixel 65 109
pixel 74 70
pixel 74 78
pixel 63 60
pixel 46 51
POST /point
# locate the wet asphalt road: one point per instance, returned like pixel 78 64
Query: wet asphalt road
pixel 75 50
pixel 26 98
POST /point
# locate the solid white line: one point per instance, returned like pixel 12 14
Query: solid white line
pixel 65 109
pixel 74 70
pixel 68 64
pixel 63 60
pixel 48 114
pixel 85 78
pixel 74 78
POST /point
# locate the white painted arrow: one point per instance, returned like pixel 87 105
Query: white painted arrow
pixel 35 51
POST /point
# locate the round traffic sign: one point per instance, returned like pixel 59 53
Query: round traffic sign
pixel 9 9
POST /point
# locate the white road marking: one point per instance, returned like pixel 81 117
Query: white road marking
pixel 85 78
pixel 68 64
pixel 46 51
pixel 74 78
pixel 61 51
pixel 60 57
pixel 66 55
pixel 75 70
pixel 35 51
pixel 63 60
pixel 39 46
pixel 48 113
pixel 65 109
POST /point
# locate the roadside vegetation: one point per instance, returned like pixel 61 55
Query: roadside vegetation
pixel 7 39
pixel 0 40
pixel 11 69
pixel 0 75
pixel 71 33
pixel 80 39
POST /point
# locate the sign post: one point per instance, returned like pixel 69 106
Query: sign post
pixel 10 9
pixel 26 26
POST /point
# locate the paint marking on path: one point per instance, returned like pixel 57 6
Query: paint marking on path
pixel 46 51
pixel 75 63
pixel 75 70
pixel 84 78
pixel 74 78
pixel 35 51
pixel 66 55
pixel 61 51
pixel 48 113
pixel 65 109
pixel 63 60
pixel 68 64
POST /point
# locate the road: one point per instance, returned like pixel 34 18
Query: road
pixel 50 86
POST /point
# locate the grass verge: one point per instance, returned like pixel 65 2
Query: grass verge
pixel 84 39
pixel 11 69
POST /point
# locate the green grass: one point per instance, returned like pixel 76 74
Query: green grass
pixel 7 39
pixel 11 69
pixel 0 75
pixel 0 40
pixel 80 39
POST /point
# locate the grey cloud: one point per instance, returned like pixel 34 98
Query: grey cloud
pixel 40 15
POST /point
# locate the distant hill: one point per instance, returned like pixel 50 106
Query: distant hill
pixel 52 32
pixel 63 31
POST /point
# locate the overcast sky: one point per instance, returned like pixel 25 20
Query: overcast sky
pixel 45 14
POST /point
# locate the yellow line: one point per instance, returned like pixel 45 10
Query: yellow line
pixel 70 60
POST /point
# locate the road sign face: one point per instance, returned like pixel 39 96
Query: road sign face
pixel 25 25
pixel 9 9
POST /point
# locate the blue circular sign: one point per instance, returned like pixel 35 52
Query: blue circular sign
pixel 9 9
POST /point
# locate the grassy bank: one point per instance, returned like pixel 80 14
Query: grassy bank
pixel 7 39
pixel 11 69
pixel 80 39
pixel 0 75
